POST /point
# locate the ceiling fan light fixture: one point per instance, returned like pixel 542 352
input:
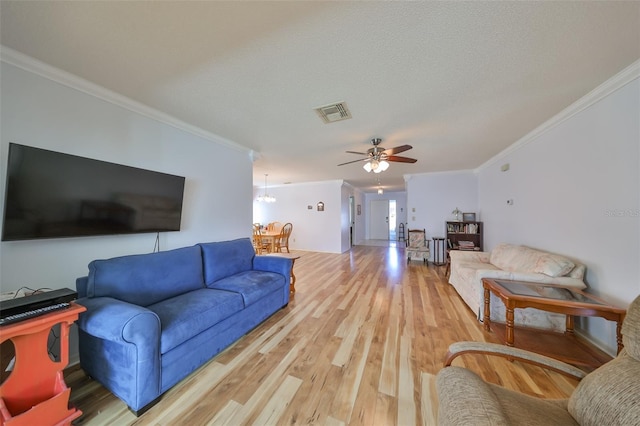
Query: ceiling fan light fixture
pixel 378 159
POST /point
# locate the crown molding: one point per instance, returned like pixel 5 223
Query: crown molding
pixel 409 176
pixel 72 81
pixel 619 80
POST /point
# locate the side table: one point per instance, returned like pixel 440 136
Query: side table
pixel 438 251
pixel 293 257
pixel 35 392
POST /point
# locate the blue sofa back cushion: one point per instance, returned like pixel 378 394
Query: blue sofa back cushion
pixel 146 279
pixel 225 258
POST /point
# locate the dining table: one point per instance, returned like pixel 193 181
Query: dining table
pixel 271 237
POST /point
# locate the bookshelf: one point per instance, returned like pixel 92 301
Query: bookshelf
pixel 464 235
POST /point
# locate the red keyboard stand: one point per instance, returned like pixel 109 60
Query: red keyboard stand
pixel 35 392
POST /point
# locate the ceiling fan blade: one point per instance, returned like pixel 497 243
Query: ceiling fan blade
pixel 354 161
pixel 397 149
pixel 399 159
pixel 353 152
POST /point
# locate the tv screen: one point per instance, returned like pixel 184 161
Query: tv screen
pixel 54 195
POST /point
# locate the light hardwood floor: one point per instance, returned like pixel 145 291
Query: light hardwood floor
pixel 358 344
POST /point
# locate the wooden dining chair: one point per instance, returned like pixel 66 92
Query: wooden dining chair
pixel 259 244
pixel 274 226
pixel 283 239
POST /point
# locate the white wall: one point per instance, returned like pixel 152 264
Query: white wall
pixel 313 230
pixel 576 191
pixel 39 112
pixel 431 197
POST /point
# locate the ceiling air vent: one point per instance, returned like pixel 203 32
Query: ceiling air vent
pixel 333 112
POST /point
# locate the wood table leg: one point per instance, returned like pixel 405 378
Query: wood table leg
pixel 292 284
pixel 569 325
pixel 510 324
pixel 487 309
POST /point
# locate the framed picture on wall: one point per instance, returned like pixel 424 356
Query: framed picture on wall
pixel 468 217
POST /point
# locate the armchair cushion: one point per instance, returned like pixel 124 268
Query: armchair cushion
pixel 465 399
pixel 610 395
pixel 631 330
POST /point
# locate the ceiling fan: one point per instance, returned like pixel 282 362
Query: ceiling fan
pixel 377 158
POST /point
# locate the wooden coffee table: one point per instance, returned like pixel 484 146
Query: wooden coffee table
pixel 571 302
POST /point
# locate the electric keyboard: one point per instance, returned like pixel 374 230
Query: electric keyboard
pixel 22 308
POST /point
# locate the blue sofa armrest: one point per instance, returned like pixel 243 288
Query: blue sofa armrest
pixel 115 320
pixel 120 347
pixel 279 265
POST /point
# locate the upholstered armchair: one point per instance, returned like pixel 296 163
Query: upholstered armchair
pixel 417 245
pixel 609 395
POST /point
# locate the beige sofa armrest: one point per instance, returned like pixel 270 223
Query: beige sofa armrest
pixel 511 353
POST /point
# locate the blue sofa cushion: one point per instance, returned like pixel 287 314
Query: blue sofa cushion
pixel 189 314
pixel 252 285
pixel 226 258
pixel 146 279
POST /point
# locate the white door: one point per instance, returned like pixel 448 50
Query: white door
pixel 379 220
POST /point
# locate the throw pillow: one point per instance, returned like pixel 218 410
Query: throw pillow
pixel 553 265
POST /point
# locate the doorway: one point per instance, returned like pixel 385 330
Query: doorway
pixel 393 235
pixel 352 220
pixel 379 220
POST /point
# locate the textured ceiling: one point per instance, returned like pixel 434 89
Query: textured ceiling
pixel 460 81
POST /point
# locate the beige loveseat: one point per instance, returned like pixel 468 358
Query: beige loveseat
pixel 513 262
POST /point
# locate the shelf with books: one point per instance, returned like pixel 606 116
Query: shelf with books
pixel 464 235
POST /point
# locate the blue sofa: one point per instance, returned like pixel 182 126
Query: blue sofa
pixel 152 319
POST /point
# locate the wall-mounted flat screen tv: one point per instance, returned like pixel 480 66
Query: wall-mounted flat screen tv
pixel 53 195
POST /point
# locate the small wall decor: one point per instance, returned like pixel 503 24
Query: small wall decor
pixel 309 207
pixel 320 206
pixel 468 217
pixel 359 210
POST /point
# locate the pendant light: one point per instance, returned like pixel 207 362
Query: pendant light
pixel 266 198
